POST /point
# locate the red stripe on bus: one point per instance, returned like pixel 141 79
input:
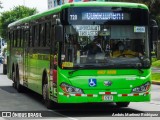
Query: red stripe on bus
pixel 124 94
pixel 107 93
pixel 78 94
pixel 136 94
pixel 89 95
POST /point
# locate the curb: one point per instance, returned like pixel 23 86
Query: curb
pixel 155 82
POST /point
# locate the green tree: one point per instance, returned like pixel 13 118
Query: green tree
pixel 14 14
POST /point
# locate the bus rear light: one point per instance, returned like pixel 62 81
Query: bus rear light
pixel 143 88
pixel 70 89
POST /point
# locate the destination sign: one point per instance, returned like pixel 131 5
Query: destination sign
pixel 88 33
pixel 87 27
pixel 87 30
pixel 105 16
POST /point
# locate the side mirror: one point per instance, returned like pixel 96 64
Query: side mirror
pixel 154 30
pixel 58 33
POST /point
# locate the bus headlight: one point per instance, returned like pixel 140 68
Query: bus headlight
pixel 70 89
pixel 143 88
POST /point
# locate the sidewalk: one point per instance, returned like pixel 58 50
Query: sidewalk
pixel 3 78
pixel 155 70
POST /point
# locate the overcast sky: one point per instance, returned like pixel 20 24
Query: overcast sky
pixel 41 5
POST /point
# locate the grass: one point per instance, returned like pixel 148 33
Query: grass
pixel 155 63
pixel 154 59
pixel 156 76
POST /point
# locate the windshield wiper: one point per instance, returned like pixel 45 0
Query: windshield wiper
pixel 71 72
pixel 80 68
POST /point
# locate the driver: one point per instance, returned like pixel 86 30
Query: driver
pixel 121 52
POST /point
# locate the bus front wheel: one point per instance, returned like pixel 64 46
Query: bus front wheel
pixel 122 104
pixel 45 93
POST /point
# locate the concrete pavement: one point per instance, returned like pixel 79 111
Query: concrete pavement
pixel 155 69
pixel 12 100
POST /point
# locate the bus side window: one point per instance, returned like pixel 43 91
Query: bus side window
pixel 39 35
pixel 48 34
pixel 42 35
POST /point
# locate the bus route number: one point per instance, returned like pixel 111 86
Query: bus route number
pixel 73 17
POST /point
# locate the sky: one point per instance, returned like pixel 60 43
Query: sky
pixel 41 5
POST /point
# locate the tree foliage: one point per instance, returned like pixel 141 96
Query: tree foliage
pixel 14 14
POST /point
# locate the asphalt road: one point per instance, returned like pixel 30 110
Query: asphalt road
pixel 11 100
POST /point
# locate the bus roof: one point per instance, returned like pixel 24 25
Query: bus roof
pixel 78 4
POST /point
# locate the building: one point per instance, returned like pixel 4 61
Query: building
pixel 54 3
pixel 50 4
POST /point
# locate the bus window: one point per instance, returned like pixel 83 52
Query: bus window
pixel 110 42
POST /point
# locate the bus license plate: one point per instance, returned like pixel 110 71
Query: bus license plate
pixel 108 97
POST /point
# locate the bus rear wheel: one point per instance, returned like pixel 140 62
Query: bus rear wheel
pixel 122 104
pixel 13 79
pixel 19 87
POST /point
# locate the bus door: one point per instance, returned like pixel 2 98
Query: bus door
pixel 25 71
pixel 54 62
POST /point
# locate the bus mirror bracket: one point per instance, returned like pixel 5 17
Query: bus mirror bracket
pixel 153 30
pixel 58 33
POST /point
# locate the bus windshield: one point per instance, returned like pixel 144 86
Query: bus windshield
pixel 104 46
pixel 106 37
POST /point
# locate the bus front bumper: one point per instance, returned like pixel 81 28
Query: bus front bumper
pixel 103 97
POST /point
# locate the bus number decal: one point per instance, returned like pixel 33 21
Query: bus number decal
pixel 111 72
pixel 73 17
pixel 67 64
pixel 139 29
pixel 101 72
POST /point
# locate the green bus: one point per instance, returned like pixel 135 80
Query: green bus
pixel 83 52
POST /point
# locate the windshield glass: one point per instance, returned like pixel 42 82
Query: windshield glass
pixel 104 46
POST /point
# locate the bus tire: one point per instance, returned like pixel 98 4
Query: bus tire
pixel 48 103
pixel 13 79
pixel 18 85
pixel 122 104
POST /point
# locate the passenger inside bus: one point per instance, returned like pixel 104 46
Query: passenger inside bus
pixel 122 51
pixel 93 48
